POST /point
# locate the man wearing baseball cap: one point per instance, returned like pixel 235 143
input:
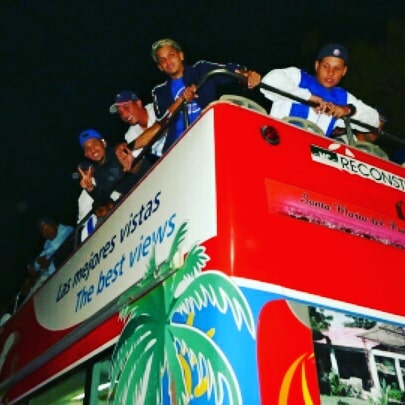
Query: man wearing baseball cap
pixel 323 101
pixel 142 121
pixel 103 173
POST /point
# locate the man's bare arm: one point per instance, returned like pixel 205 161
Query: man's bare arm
pixel 146 136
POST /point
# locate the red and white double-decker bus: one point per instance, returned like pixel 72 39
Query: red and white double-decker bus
pixel 256 263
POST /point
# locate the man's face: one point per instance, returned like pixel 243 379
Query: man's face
pixel 129 111
pixel 170 61
pixel 329 71
pixel 94 149
pixel 103 210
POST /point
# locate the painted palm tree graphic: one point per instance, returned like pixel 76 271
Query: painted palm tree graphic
pixel 154 348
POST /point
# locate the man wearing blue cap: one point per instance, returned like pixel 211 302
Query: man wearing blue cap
pixel 142 121
pixel 332 102
pixel 103 173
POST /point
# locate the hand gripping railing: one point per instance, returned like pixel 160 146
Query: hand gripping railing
pixel 166 123
pixel 364 125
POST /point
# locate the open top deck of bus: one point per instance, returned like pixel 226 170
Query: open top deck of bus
pixel 274 208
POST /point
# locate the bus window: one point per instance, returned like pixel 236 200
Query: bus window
pixel 100 382
pixel 72 387
pixel 69 390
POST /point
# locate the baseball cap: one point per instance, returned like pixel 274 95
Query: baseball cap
pixel 122 97
pixel 336 50
pixel 88 134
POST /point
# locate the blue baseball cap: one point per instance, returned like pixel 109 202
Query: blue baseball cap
pixel 336 50
pixel 88 134
pixel 122 97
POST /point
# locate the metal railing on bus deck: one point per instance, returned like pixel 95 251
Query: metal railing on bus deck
pixel 348 120
pixel 243 80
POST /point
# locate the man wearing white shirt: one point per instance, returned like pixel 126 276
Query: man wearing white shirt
pixel 142 120
pixel 326 102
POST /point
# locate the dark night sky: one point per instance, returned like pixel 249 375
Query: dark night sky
pixel 62 63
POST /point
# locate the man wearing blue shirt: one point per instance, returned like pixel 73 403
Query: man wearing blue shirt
pixel 182 82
